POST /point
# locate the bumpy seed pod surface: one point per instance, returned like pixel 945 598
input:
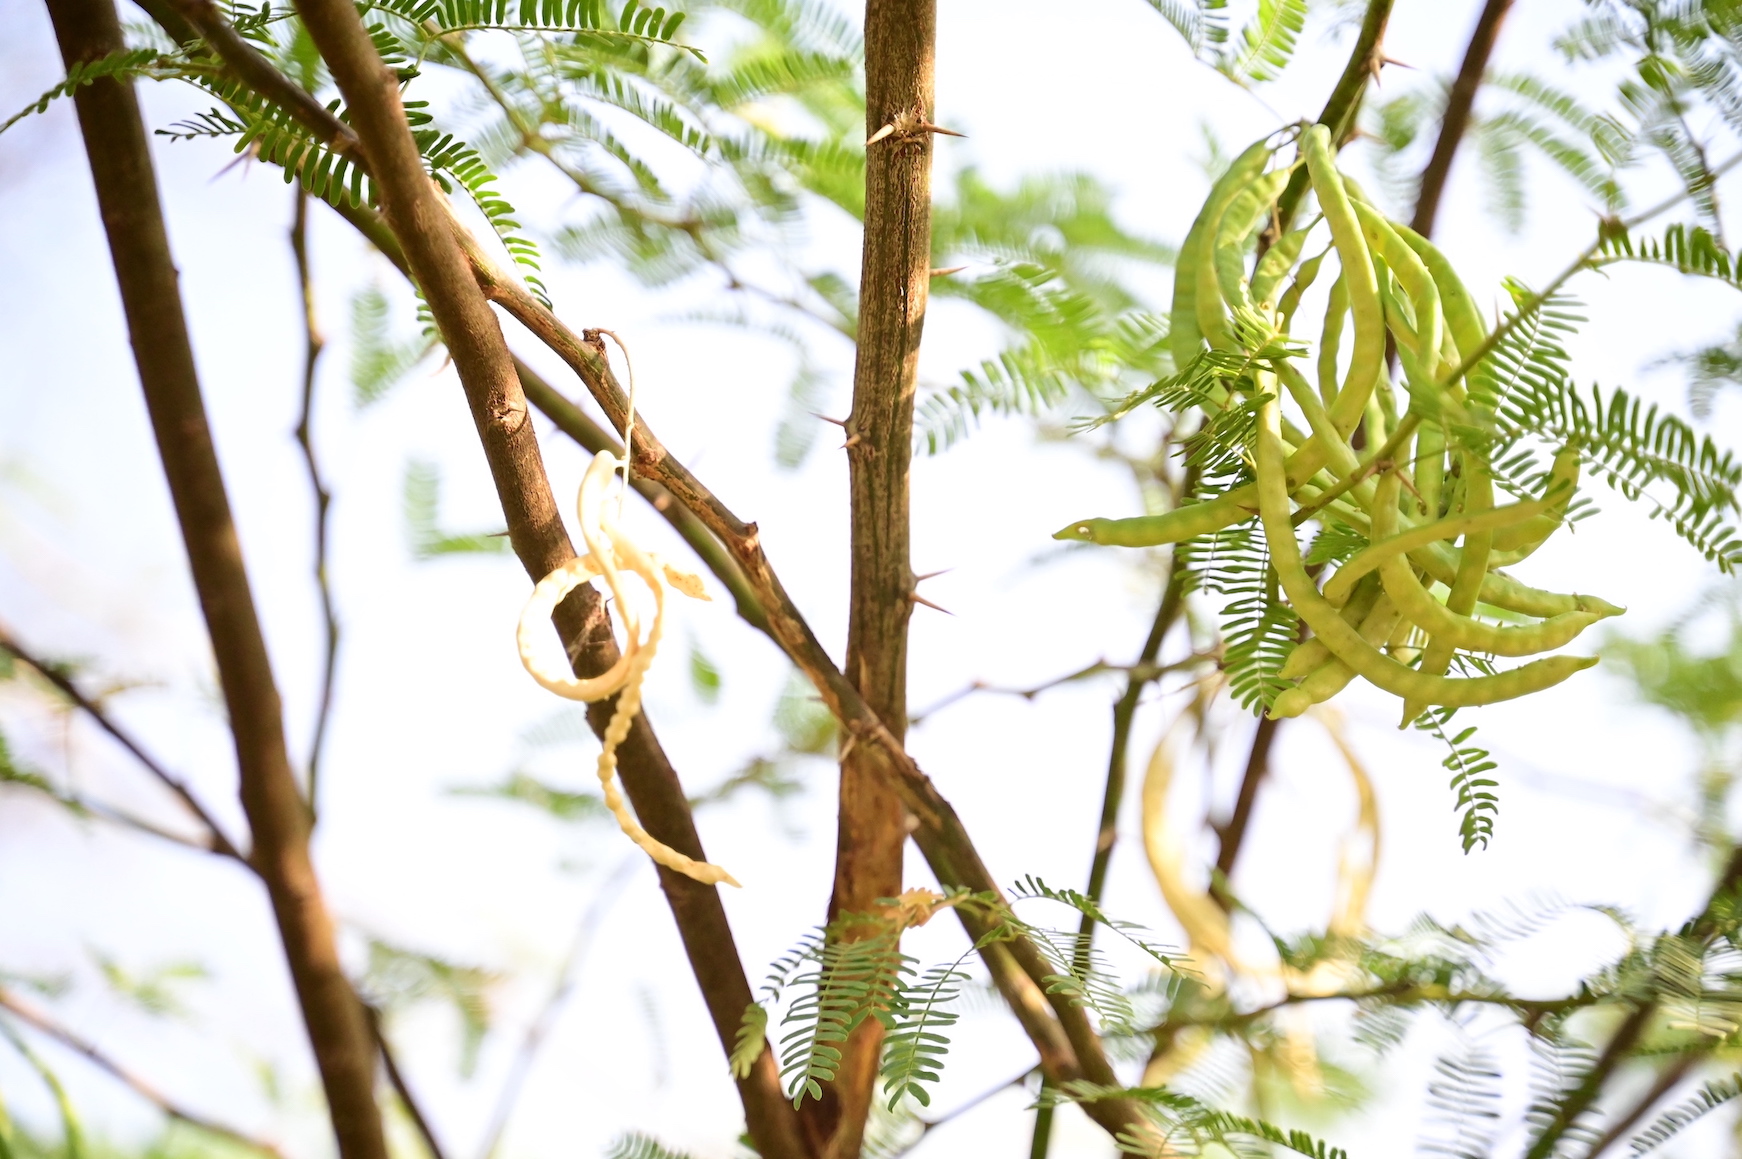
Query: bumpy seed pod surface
pixel 1403 473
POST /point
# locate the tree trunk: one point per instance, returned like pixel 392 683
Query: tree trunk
pixel 277 815
pixel 894 281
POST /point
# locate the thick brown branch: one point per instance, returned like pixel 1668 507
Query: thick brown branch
pixel 1456 121
pixel 894 280
pixel 126 185
pixel 46 1026
pixel 940 836
pixel 430 241
pixel 218 842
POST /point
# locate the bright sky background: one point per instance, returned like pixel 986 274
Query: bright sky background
pixel 431 695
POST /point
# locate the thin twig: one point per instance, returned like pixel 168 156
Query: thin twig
pixel 1233 834
pixel 220 843
pixel 40 1021
pixel 1456 119
pixel 540 1027
pixel 1142 673
pixel 313 344
pixel 1667 1081
pixel 396 1078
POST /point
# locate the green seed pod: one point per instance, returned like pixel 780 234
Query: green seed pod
pixel 1184 337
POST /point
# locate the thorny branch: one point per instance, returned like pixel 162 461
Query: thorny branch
pixel 39 1021
pixel 1061 1031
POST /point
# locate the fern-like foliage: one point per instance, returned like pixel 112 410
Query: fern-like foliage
pixel 635 1145
pixel 422 502
pixel 123 64
pixel 1525 385
pixel 1266 43
pixel 636 22
pixel 1464 1101
pixel 1203 24
pixel 914 1047
pixel 1678 1118
pixel 1258 628
pixel 844 974
pixel 1470 766
pixel 1178 1121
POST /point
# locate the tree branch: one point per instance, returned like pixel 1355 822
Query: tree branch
pixel 1456 120
pixel 940 836
pixel 46 1026
pixel 1365 61
pixel 219 843
pixel 126 187
pixel 894 282
pixel 1233 834
pixel 422 222
pixel 313 344
pixel 396 1079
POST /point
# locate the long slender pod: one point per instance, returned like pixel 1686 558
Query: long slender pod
pixel 1367 356
pixel 1445 625
pixel 1344 641
pixel 1185 339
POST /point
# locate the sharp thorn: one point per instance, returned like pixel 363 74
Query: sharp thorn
pixel 931 128
pixel 842 423
pixel 932 574
pixel 1399 63
pixel 885 131
pixel 947 270
pixel 852 441
pixel 919 599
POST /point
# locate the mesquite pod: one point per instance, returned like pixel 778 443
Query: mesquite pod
pixel 1408 467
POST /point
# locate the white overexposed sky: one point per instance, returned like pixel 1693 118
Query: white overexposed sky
pixel 1594 787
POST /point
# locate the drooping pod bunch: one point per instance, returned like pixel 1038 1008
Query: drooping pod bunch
pixel 1402 472
pixel 611 554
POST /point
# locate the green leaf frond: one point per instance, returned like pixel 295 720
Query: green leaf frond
pixel 1259 630
pixel 1031 888
pixel 635 1145
pixel 916 1041
pixel 1203 24
pixel 399 977
pixel 1525 386
pixel 1069 342
pixel 1463 1103
pixel 1469 766
pixel 422 503
pixel 1179 1123
pixel 123 64
pixel 379 362
pixel 750 1041
pixel 1266 43
pixel 842 974
pixel 526 789
pixel 584 19
pixel 1678 1118
pixel 1560 1064
pixel 1334 543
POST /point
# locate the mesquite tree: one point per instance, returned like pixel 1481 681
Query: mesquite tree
pixel 1321 367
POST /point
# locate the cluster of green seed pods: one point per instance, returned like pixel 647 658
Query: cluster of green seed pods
pixel 1415 483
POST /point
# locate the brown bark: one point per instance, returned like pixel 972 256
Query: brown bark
pixel 1060 1031
pixel 425 231
pixel 1456 121
pixel 277 815
pixel 895 273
